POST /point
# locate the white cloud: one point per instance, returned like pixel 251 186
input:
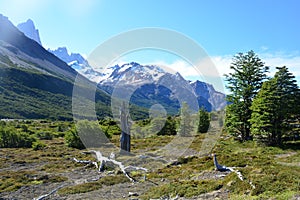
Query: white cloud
pixel 292 62
pixel 222 63
pixel 181 66
pixel 264 48
pixel 214 68
pixel 217 66
pixel 204 71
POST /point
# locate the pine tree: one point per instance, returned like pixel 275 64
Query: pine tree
pixel 204 121
pixel 275 108
pixel 244 82
pixel 288 91
pixel 264 108
pixel 169 127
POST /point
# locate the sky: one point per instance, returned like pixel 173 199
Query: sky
pixel 221 27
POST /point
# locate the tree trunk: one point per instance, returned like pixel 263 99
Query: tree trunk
pixel 125 129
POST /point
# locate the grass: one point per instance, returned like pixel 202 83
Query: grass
pixel 183 189
pixel 274 171
pixel 272 179
pixel 91 186
pixel 13 180
pixel 25 166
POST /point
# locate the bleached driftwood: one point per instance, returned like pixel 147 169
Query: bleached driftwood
pixel 88 162
pixel 102 160
pixel 50 193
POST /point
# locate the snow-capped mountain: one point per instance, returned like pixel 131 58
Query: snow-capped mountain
pixel 77 62
pixel 30 31
pixel 149 84
pixel 152 84
pixel 134 73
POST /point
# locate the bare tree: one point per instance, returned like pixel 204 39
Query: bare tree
pixel 125 129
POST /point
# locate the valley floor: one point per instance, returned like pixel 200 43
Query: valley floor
pixel 175 172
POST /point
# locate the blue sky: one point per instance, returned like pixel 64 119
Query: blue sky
pixel 269 27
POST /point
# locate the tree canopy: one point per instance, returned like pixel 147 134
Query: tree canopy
pixel 204 121
pixel 275 108
pixel 245 80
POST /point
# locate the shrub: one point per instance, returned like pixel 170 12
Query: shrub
pixel 12 138
pixel 45 135
pixel 38 145
pixel 109 127
pixel 168 128
pixel 73 140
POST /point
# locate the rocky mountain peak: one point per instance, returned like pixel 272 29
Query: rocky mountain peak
pixel 134 75
pixel 30 31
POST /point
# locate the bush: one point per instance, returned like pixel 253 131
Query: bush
pixel 73 140
pixel 38 145
pixel 91 133
pixel 169 128
pixel 109 127
pixel 12 138
pixel 45 135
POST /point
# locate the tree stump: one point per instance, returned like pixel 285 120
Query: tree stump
pixel 125 129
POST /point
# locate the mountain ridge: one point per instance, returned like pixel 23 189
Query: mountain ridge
pixel 77 62
pixel 149 84
pixel 141 79
pixel 34 83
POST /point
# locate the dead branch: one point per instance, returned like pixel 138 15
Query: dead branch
pixel 88 162
pixel 102 160
pixel 50 193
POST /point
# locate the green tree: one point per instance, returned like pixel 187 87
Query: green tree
pixel 288 91
pixel 204 121
pixel 264 113
pixel 169 127
pixel 185 128
pixel 244 82
pixel 275 108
